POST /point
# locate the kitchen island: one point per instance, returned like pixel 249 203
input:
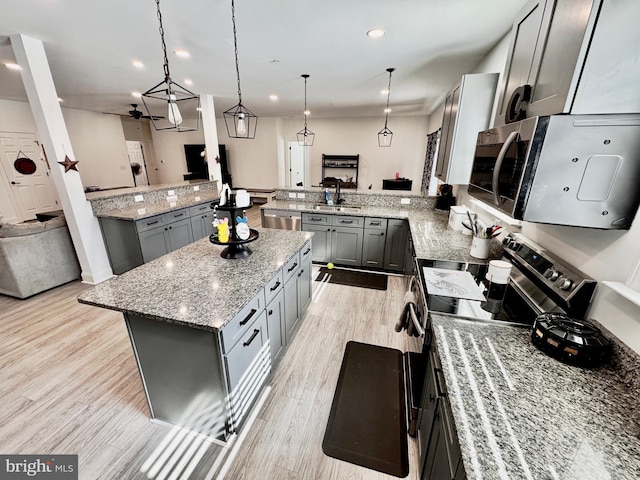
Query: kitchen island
pixel 519 413
pixel 198 323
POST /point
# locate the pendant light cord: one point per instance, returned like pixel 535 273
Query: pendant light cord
pixel 386 112
pixel 305 101
pixel 235 45
pixel 164 45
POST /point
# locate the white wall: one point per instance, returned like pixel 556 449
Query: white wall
pixel 253 163
pixel 601 254
pixel 350 136
pixel 171 163
pixel 99 147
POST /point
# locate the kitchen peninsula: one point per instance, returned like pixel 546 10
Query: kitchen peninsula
pixel 205 330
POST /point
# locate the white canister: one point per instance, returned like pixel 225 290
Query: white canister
pixel 480 247
pixel 457 215
pixel 499 271
pixel 243 199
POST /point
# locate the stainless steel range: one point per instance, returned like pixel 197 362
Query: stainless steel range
pixel 539 282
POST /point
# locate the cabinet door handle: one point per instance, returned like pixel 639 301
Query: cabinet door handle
pixel 170 228
pixel 255 334
pixel 275 287
pixel 152 223
pixel 375 223
pixel 251 314
pixel 346 221
pixel 178 215
pixel 314 219
pixel 301 272
pixel 439 390
pixel 270 312
pixel 293 267
pixel 307 251
pixel 382 234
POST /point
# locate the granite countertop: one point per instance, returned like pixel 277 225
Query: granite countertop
pixel 146 210
pixel 432 238
pixel 194 286
pixel 522 414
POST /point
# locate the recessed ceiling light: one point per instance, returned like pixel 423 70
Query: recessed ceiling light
pixel 136 94
pixel 13 66
pixel 182 53
pixel 188 81
pixel 137 64
pixel 273 97
pixel 376 33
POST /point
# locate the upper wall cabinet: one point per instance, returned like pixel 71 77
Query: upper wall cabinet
pixel 467 111
pixel 572 56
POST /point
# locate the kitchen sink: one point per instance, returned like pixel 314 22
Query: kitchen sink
pixel 336 208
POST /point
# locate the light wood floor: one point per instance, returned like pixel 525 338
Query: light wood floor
pixel 69 385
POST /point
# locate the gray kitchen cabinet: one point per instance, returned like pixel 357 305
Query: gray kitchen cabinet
pixel 467 110
pixel 131 243
pixel 396 245
pixel 337 239
pixel 373 242
pixel 275 327
pixel 575 57
pixel 274 298
pixel 161 240
pixel 297 290
pixel 201 221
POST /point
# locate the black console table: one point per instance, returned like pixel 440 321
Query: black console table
pixel 397 184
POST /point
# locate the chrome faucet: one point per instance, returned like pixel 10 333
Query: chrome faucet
pixel 339 200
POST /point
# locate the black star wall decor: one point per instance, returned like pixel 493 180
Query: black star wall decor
pixel 68 164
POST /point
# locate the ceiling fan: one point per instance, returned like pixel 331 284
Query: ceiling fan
pixel 137 114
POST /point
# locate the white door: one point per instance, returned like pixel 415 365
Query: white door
pixel 296 164
pixel 138 165
pixel 31 192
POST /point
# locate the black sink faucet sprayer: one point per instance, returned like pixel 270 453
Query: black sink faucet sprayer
pixel 339 200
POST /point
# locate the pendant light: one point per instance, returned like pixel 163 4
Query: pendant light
pixel 305 136
pixel 240 121
pixel 181 106
pixel 385 135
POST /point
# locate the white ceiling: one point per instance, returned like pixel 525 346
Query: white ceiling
pixel 90 46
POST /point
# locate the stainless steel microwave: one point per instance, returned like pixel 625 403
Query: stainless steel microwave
pixel 577 170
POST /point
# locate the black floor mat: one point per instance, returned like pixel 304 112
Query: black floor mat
pixel 375 281
pixel 367 424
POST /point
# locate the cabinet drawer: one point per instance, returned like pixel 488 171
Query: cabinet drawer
pixel 273 287
pixel 235 329
pixel 291 267
pixel 347 221
pixel 199 209
pixel 149 223
pixel 316 219
pixel 305 251
pixel 374 223
pixel 246 350
pixel 176 215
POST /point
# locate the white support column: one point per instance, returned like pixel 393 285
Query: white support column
pixel 43 99
pixel 211 137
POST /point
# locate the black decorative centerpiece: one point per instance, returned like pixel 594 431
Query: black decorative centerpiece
pixel 572 341
pixel 232 230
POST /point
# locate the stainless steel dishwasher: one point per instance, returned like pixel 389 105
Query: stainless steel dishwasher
pixel 281 219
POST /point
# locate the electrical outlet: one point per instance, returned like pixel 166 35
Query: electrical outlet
pixel 196 188
pixel 171 193
pixel 292 194
pixel 138 198
pixel 301 195
pixel 197 198
pixel 405 201
pixel 142 211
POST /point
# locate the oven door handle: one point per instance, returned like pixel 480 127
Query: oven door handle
pixel 414 319
pixel 495 181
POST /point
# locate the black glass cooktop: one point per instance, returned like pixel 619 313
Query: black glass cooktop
pixel 495 303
